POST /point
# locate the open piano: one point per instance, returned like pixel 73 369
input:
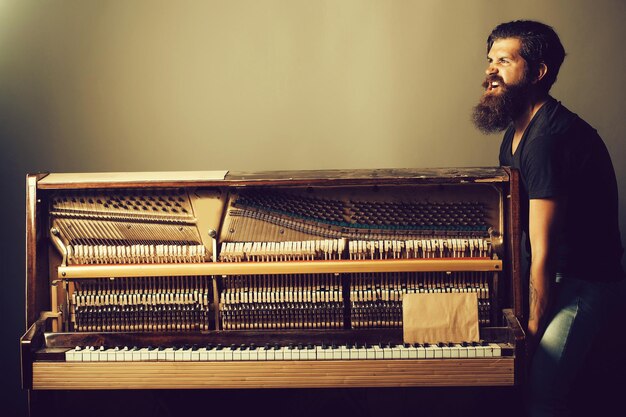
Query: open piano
pixel 189 280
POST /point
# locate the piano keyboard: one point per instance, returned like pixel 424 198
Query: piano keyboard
pixel 276 352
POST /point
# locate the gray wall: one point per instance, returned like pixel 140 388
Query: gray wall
pixel 262 85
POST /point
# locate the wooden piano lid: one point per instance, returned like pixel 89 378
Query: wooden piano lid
pixel 128 179
pixel 387 175
pixel 301 177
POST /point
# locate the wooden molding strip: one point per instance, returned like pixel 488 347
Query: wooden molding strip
pixel 292 267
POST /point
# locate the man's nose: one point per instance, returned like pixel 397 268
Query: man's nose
pixel 491 69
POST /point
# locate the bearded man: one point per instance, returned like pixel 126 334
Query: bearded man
pixel 569 207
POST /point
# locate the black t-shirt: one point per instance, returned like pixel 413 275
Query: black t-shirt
pixel 561 156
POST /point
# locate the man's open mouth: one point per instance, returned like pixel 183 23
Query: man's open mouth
pixel 493 85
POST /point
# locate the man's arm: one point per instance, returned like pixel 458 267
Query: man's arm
pixel 541 224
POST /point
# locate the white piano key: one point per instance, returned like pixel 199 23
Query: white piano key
pixel 379 353
pixel 245 353
pixel 87 353
pixel 386 351
pixel 370 352
pixel 253 354
pixel 487 350
pixel 445 351
pixel 471 351
pixel 100 355
pixel 395 352
pixel 320 353
pixel 303 353
pixel 328 353
pixel 270 353
pixel 187 354
pixel 430 351
pixel 144 354
pixel 227 354
pixel 480 351
pixel 153 354
pixel 120 355
pixel 135 354
pixel 351 352
pixel 345 352
pixel 221 353
pixel 298 352
pixel 212 354
pixel 127 354
pixel 311 353
pixel 287 353
pixel 495 349
pixel 170 354
pixel 74 355
pixel 261 354
pixel 112 354
pixel 462 351
pixel 279 354
pixel 412 352
pixel 361 353
pixel 195 354
pixel 336 352
pixel 404 352
pixel 421 352
pixel 438 351
pixel 236 352
pixel 160 354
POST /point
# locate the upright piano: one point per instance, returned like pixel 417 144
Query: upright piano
pixel 284 279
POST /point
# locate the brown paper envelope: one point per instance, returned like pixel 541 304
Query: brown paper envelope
pixel 440 317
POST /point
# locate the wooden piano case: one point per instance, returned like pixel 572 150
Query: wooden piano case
pixel 55 325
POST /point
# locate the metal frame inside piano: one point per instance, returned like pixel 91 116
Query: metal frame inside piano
pixel 53 280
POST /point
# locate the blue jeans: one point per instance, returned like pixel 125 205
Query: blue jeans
pixel 580 309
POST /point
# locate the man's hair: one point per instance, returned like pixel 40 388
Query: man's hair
pixel 539 44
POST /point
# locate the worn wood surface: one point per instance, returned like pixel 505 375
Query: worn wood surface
pixel 300 178
pixel 514 253
pixel 518 341
pixel 37 289
pixel 273 374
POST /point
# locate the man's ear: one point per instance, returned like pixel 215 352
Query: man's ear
pixel 542 70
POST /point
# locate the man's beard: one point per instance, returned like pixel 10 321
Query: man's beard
pixel 494 112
